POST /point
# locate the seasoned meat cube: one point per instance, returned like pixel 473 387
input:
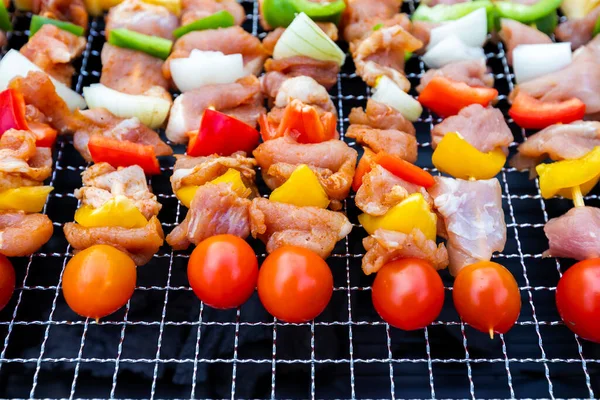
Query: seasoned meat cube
pixel 392 141
pixel 575 234
pixel 471 72
pixel 23 234
pixel 381 116
pixel 141 17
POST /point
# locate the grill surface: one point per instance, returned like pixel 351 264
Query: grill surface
pixel 165 344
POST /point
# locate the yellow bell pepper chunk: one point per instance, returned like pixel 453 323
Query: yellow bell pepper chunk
pixel 27 198
pixel 97 7
pixel 457 157
pixel 559 177
pixel 233 176
pixel 301 189
pixel 172 5
pixel 119 211
pixel 413 212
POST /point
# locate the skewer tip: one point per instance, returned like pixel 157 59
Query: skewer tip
pixel 491 333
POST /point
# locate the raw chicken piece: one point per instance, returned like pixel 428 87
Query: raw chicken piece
pixel 269 42
pixel 381 116
pixel 422 31
pixel 384 246
pixel 575 234
pixel 473 218
pixel 141 17
pixel 363 28
pixel 578 31
pixel 381 190
pixel 303 88
pixel 392 141
pixel 324 72
pixel 196 171
pixel 215 209
pixel 230 40
pixel 139 243
pixel 102 182
pixel 513 33
pixel 196 9
pixel 361 10
pixel 242 100
pixel 484 128
pixel 21 162
pixel 280 224
pixel 558 142
pixel 333 162
pixel 100 121
pixel 23 234
pixel 471 72
pixel 52 49
pixel 66 10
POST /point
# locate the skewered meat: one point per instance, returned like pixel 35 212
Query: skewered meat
pixel 242 100
pixel 216 209
pixel 471 72
pixel 303 88
pixel 513 33
pixel 23 234
pixel 280 224
pixel 473 218
pixel 381 116
pixel 324 72
pixel 100 121
pixel 139 243
pixel 381 190
pixel 141 17
pixel 558 142
pixel 422 31
pixel 269 42
pixel 363 28
pixel 52 49
pixel 102 182
pixel 484 128
pixel 21 162
pixel 392 141
pixel 196 171
pixel 66 10
pixel 333 162
pixel 384 246
pixel 575 234
pixel 360 10
pixel 578 31
pixel 196 9
pixel 231 40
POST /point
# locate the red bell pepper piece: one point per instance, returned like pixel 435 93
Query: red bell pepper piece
pixel 364 167
pixel 267 131
pixel 122 153
pixel 303 123
pixel 446 97
pixel 404 170
pixel 45 134
pixel 531 113
pixel 12 111
pixel 221 134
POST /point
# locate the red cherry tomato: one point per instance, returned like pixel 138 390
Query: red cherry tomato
pixel 7 281
pixel 578 299
pixel 222 271
pixel 294 284
pixel 408 293
pixel 487 297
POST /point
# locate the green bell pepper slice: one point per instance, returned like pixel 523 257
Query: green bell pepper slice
pixel 282 12
pixel 526 14
pixel 220 19
pixel 153 45
pixel 596 27
pixel 547 24
pixel 446 12
pixel 5 23
pixel 38 21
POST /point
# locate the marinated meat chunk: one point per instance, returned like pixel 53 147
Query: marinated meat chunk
pixel 575 234
pixel 303 88
pixel 360 10
pixel 324 72
pixel 381 116
pixel 384 246
pixel 280 224
pixel 196 171
pixel 578 31
pixel 66 10
pixel 196 9
pixel 513 33
pixel 23 234
pixel 21 162
pixel 473 218
pixel 392 141
pixel 471 72
pixel 360 29
pixel 142 17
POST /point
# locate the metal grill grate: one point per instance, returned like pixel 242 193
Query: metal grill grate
pixel 165 344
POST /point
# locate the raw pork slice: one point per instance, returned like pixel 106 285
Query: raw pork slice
pixel 513 33
pixel 471 72
pixel 575 234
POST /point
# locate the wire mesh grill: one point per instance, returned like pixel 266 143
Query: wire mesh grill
pixel 166 344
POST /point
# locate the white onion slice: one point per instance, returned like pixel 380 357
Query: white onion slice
pixel 206 67
pixel 304 38
pixel 387 92
pixel 533 60
pixel 450 50
pixel 151 111
pixel 15 64
pixel 470 29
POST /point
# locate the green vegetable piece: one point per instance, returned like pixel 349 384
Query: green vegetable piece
pixel 445 12
pixel 282 12
pixel 220 19
pixel 38 21
pixel 407 55
pixel 526 14
pixel 5 23
pixel 547 24
pixel 596 27
pixel 153 45
pixel 377 27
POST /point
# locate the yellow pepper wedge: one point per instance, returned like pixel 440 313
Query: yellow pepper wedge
pixel 233 176
pixel 119 211
pixel 560 177
pixel 27 198
pixel 23 5
pixel 301 189
pixel 457 157
pixel 413 212
pixel 97 7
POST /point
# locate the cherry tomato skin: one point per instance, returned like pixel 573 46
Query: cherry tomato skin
pixel 578 299
pixel 408 293
pixel 7 281
pixel 487 297
pixel 222 271
pixel 294 284
pixel 98 281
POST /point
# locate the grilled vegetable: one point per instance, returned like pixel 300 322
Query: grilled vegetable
pixel 387 92
pixel 526 13
pixel 220 19
pixel 404 170
pixel 153 45
pixel 206 68
pixel 302 122
pixel 5 23
pixel 446 97
pixel 186 194
pixel 12 111
pixel 282 12
pixel 121 153
pixel 470 29
pixel 533 60
pixel 28 198
pixel 449 12
pixel 38 21
pixel 531 113
pixel 118 211
pixel 301 189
